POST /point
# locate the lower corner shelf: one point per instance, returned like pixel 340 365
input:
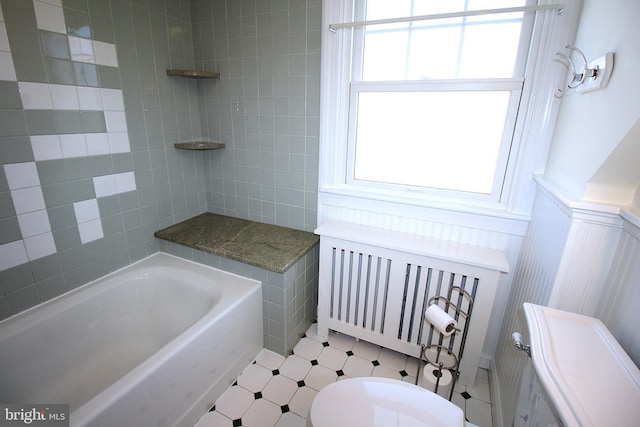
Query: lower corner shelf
pixel 199 145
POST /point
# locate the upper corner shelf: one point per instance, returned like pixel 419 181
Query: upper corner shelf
pixel 193 74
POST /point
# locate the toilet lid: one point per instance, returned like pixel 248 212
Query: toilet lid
pixel 381 402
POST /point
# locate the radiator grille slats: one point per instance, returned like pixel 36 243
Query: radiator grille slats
pixel 363 288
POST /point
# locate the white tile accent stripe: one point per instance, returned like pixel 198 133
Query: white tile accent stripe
pixel 12 254
pixel 90 231
pixel 28 200
pixel 22 175
pixel 53 147
pixel 108 185
pixel 40 246
pixel 50 17
pixel 35 96
pixel 42 96
pixel 46 147
pixel 90 98
pixel 88 219
pixel 33 220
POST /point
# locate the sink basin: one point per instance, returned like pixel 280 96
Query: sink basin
pixel 586 375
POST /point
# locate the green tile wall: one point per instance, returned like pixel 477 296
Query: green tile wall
pixel 265 108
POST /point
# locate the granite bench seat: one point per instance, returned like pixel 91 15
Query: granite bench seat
pixel 267 246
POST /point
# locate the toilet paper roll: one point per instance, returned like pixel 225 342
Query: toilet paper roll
pixel 440 320
pixel 429 378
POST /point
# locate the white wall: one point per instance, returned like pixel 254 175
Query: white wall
pixel 579 256
pixel 591 126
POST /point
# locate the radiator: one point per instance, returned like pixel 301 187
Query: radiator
pixel 375 284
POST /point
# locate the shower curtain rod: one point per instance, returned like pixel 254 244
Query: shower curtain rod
pixel 558 6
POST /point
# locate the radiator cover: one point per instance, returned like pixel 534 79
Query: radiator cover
pixel 375 284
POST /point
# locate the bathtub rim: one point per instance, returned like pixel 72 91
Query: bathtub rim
pixel 43 305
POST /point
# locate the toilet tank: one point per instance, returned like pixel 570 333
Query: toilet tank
pixel 578 374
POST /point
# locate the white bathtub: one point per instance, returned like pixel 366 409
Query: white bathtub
pixel 154 344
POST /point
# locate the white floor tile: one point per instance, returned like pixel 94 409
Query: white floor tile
pixel 479 412
pixel 383 371
pixel 341 341
pixel 308 348
pixel 319 377
pixel 411 367
pixel 295 367
pixel 255 377
pixel 409 379
pixel 332 358
pixel 480 390
pixel 270 359
pixel 392 359
pixel 234 402
pixel 291 420
pixel 301 401
pixel 280 390
pixel 458 400
pixel 366 350
pixel 262 413
pixel 214 419
pixel 357 367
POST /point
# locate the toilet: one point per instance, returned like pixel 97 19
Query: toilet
pixel 384 402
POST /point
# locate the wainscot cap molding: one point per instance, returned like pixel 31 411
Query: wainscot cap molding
pixel 492 259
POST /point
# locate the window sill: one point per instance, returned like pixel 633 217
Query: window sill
pixel 483 215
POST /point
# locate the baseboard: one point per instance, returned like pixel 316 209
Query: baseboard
pixel 496 402
pixel 485 361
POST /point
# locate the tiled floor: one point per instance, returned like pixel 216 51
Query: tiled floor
pixel 277 391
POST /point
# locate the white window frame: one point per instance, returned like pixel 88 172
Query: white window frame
pixel 533 130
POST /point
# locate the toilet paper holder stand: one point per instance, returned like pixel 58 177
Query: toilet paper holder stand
pixel 445 352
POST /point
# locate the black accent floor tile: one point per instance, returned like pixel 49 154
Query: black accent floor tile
pixel 237 423
pixel 404 373
pixel 340 372
pixel 349 353
pixel 325 344
pixel 301 383
pixel 284 408
pixel 465 395
pixel 375 363
pixel 257 395
pixel 314 362
pixel 276 372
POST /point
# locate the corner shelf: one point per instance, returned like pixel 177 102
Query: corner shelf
pixel 193 74
pixel 199 145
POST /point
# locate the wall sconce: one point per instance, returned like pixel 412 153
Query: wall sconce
pixel 593 76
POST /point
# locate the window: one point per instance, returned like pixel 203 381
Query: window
pixel 433 103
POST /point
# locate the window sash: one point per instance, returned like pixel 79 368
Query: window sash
pixel 513 86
